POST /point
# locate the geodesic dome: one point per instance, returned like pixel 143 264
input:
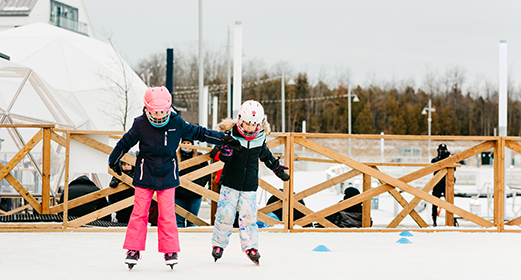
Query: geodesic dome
pixel 25 98
pixel 83 71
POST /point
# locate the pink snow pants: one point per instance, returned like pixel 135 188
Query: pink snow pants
pixel 167 234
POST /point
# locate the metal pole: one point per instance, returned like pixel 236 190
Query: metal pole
pixel 215 111
pixel 229 80
pixel 349 117
pixel 237 68
pixel 283 103
pixel 202 103
pixel 503 79
pixel 429 119
pixel 382 146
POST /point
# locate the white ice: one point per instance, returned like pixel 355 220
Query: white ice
pixel 90 256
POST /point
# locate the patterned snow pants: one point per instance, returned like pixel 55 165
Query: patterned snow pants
pixel 229 201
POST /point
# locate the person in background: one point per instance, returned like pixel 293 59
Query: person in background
pixel 349 217
pixel 80 187
pixel 123 215
pixel 184 198
pixel 439 189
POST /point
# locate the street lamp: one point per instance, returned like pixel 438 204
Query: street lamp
pixel 355 99
pixel 429 109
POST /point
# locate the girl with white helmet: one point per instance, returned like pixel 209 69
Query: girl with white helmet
pixel 158 131
pixel 239 179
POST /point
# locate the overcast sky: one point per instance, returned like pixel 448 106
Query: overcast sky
pixel 370 39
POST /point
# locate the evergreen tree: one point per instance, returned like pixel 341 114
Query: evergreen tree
pixel 364 121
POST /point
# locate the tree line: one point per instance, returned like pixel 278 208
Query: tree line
pixel 460 109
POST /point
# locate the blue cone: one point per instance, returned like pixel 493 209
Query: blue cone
pixel 403 241
pixel 406 233
pixel 321 248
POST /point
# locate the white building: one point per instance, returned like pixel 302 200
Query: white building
pixel 67 14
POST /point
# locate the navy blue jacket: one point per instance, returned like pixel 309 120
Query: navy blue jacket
pixel 241 168
pixel 156 165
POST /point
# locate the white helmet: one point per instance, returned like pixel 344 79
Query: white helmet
pixel 250 112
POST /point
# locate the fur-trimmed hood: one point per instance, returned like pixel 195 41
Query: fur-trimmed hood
pixel 228 123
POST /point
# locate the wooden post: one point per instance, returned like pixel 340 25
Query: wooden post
pixel 366 206
pixel 287 201
pixel 449 195
pixel 499 184
pixel 46 170
pixel 66 181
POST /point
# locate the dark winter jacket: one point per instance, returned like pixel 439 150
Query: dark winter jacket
pixel 439 189
pixel 182 193
pixel 80 187
pixel 156 164
pixel 344 219
pixel 349 217
pixel 241 168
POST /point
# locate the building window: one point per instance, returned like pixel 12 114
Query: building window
pixel 66 16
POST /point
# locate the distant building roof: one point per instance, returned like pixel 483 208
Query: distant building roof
pixel 16 7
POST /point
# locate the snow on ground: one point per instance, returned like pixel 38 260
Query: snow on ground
pixel 446 255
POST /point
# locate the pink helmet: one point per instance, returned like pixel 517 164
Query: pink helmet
pixel 157 100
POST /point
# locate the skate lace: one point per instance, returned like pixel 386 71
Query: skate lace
pixel 170 255
pixel 133 253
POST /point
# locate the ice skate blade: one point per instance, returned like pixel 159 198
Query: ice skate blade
pixel 130 266
pixel 131 262
pixel 171 263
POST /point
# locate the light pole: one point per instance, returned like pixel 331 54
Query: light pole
pixel 355 99
pixel 283 104
pixel 283 100
pixel 429 109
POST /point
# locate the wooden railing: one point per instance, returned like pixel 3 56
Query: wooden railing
pixel 288 199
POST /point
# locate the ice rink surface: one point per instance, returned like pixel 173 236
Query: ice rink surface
pixel 442 255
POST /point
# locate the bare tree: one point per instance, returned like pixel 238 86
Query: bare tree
pixel 153 70
pixel 431 81
pixel 118 110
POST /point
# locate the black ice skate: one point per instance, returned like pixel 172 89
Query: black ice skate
pixel 132 258
pixel 217 252
pixel 254 255
pixel 171 259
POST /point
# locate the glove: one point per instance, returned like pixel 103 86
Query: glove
pixel 214 152
pixel 279 171
pixel 231 142
pixel 116 167
pixel 226 151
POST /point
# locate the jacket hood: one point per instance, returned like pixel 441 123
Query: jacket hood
pixel 228 123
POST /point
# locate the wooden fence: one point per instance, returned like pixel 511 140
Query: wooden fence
pixel 288 199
